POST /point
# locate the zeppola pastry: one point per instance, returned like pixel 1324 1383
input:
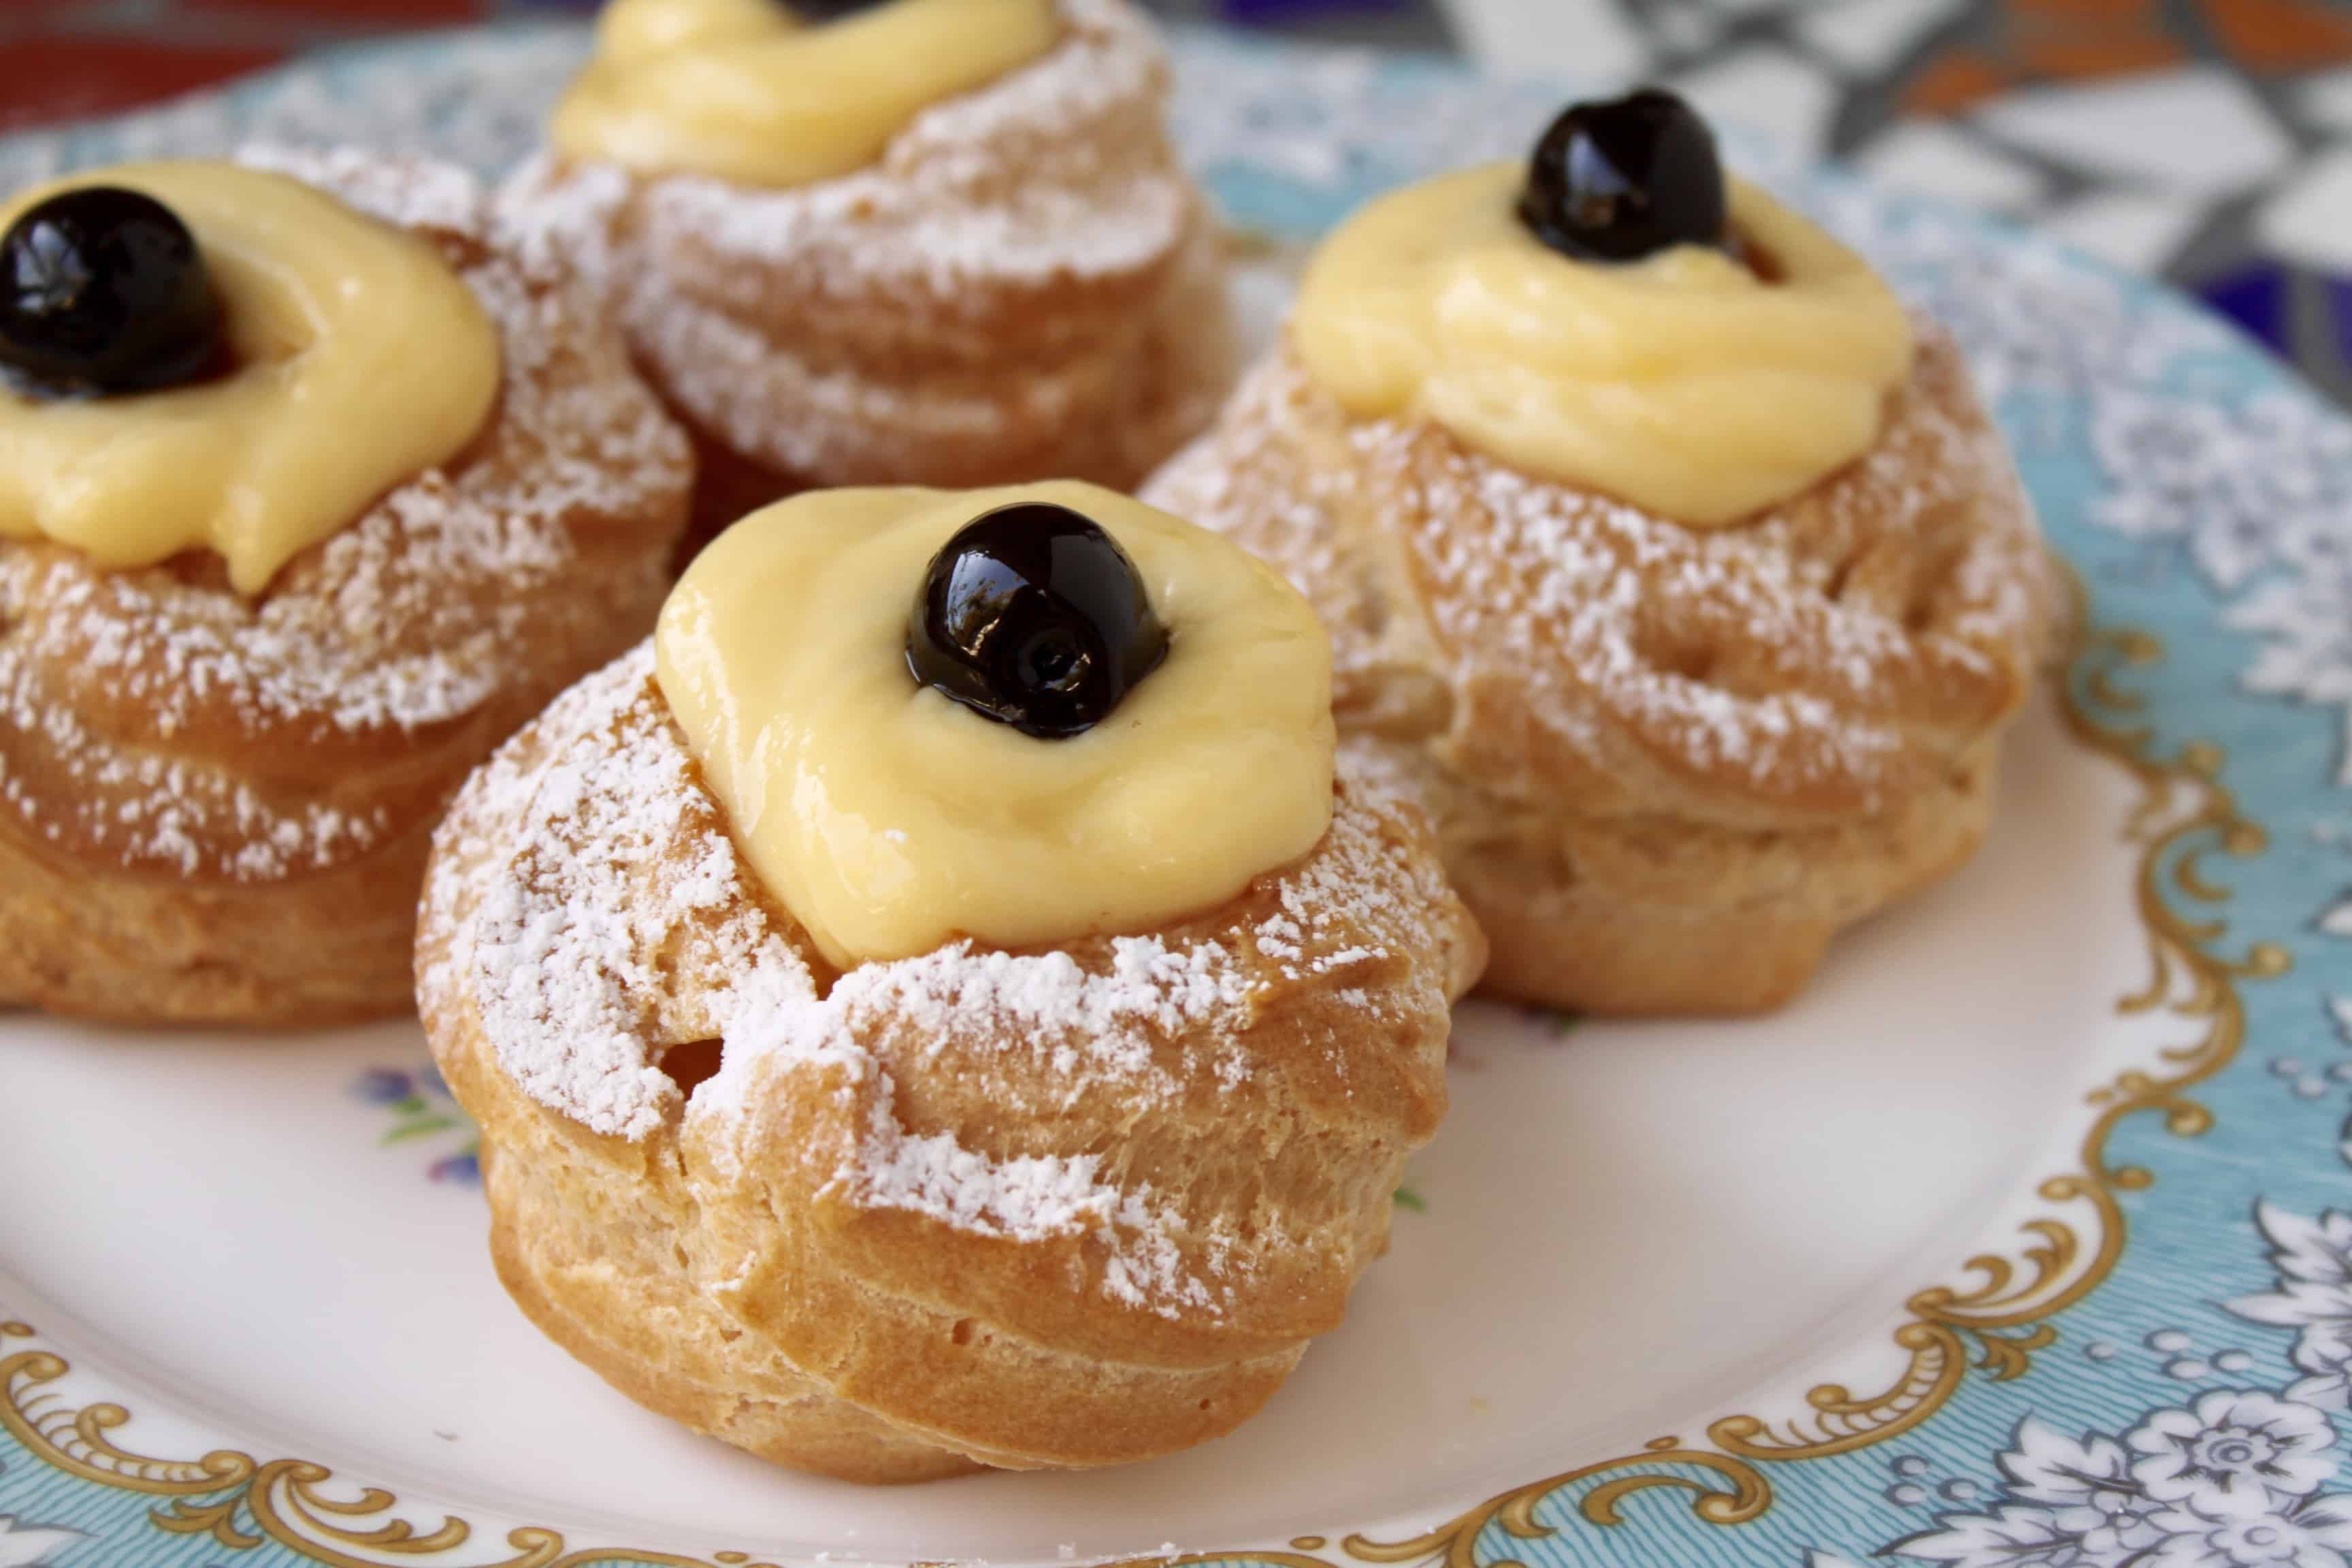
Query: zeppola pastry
pixel 940 242
pixel 938 1004
pixel 1667 561
pixel 308 495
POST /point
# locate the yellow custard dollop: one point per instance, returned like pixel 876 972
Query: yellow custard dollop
pixel 890 821
pixel 360 360
pixel 1684 384
pixel 746 91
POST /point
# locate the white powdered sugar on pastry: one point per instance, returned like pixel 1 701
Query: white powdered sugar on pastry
pixel 1010 182
pixel 407 622
pixel 407 193
pixel 552 215
pixel 565 963
pixel 1051 996
pixel 1033 1198
pixel 1007 182
pixel 589 906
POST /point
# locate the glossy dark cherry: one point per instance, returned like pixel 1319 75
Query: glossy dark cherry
pixel 1621 180
pixel 1033 617
pixel 102 289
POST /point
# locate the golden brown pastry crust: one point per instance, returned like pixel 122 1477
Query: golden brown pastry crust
pixel 1665 765
pixel 217 810
pixel 1057 1209
pixel 1025 286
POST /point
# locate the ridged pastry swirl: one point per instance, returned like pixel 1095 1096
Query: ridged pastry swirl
pixel 1047 1208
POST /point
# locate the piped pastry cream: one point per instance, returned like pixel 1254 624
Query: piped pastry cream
pixel 356 359
pixel 752 92
pixel 1694 383
pixel 891 818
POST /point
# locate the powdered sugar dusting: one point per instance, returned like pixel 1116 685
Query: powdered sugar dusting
pixel 567 950
pixel 1041 1198
pixel 1019 179
pixel 407 193
pixel 1029 1198
pixel 1148 985
pixel 410 620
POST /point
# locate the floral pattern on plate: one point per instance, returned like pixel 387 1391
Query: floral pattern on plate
pixel 2237 1478
pixel 420 1108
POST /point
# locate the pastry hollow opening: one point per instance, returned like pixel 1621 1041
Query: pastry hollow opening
pixel 691 1065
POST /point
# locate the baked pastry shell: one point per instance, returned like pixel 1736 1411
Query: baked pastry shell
pixel 1025 285
pixel 217 809
pixel 1665 764
pixel 743 1260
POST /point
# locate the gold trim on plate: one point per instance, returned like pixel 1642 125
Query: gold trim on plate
pixel 1996 1321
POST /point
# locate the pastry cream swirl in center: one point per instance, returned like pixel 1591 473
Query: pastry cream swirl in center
pixel 361 360
pixel 1684 383
pixel 890 821
pixel 744 90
